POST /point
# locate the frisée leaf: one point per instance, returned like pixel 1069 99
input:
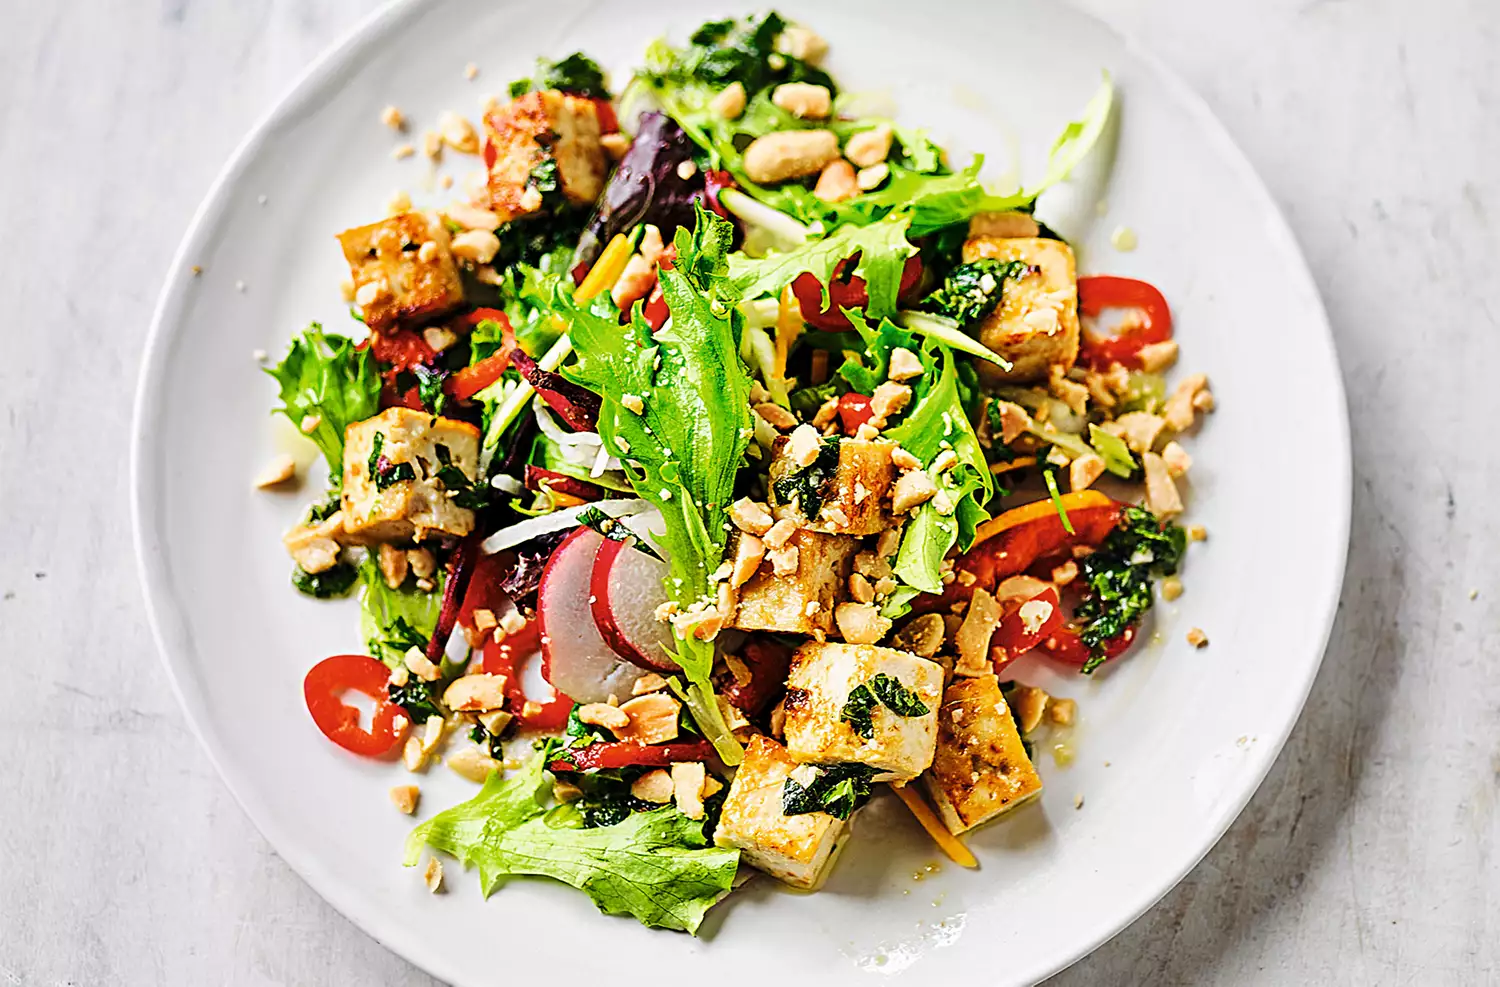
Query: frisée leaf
pixel 326 377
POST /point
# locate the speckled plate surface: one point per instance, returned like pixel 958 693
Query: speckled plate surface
pixel 1170 744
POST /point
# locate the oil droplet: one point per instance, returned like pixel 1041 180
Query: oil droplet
pixel 1123 238
pixel 917 875
pixel 1062 755
pixel 881 959
pixel 932 868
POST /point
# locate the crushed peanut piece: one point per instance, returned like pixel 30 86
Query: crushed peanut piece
pixel 276 472
pixel 603 715
pixel 1197 638
pixel 433 875
pixel 404 797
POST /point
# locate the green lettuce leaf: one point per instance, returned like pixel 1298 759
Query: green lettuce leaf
pixel 657 866
pixel 882 247
pixel 393 620
pixel 936 420
pixel 325 376
pixel 682 450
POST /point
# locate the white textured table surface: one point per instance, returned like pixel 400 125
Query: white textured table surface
pixel 1370 856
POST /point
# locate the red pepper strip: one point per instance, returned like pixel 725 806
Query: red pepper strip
pixel 655 309
pixel 324 688
pixel 715 182
pixel 472 379
pixel 1153 322
pixel 576 405
pixel 1013 550
pixel 1011 639
pixel 627 754
pixel 504 659
pixel 401 348
pixel 605 111
pixel 1064 644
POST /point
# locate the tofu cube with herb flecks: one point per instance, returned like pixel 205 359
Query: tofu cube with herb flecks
pixel 849 496
pixel 1036 324
pixel 405 474
pixel 863 704
pixel 800 600
pixel 398 279
pixel 798 850
pixel 541 144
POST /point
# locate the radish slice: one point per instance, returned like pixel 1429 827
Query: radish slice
pixel 575 659
pixel 626 590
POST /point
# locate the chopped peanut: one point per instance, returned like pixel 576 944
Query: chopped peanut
pixel 404 797
pixel 870 147
pixel 973 637
pixel 1171 588
pixel 393 565
pixel 472 764
pixel 1197 638
pixel 860 623
pixel 730 102
pixel 836 182
pixel 604 715
pixel 749 552
pixel 1161 492
pixel 1083 471
pixel 803 100
pixel 276 472
pixel 914 489
pixel 1063 711
pixel 1177 459
pixel 804 444
pixel 776 416
pixel 652 719
pixel 923 636
pixel 475 693
pixel 655 785
pixel 780 533
pixel 1013 420
pixel 433 875
pixel 688 779
pixel 750 517
pixel 1156 357
pixel 904 364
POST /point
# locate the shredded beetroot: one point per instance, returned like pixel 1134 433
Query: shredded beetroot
pixel 562 483
pixel 578 406
pixel 460 569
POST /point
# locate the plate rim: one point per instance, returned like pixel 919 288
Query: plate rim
pixel 159 602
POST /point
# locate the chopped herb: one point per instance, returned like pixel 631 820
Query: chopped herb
pixel 418 698
pixel 430 388
pixel 615 530
pixel 896 697
pixel 327 509
pixel 384 472
pixel 809 486
pixel 577 74
pixel 838 790
pixel 469 494
pixel 972 291
pixel 326 584
pixel 1118 577
pixel 857 709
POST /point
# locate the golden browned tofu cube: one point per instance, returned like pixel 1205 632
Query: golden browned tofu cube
pixel 854 497
pixel 981 768
pixel 814 569
pixel 398 281
pixel 796 849
pixel 823 726
pixel 392 492
pixel 530 133
pixel 1036 323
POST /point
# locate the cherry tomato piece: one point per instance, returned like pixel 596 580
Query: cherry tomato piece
pixel 844 292
pixel 324 688
pixel 1064 644
pixel 854 411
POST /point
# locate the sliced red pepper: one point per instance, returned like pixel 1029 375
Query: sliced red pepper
pixel 628 754
pixel 1011 639
pixel 854 411
pixel 654 311
pixel 609 123
pixel 1012 551
pixel 507 658
pixel 1064 644
pixel 324 689
pixel 845 292
pixel 1152 322
pixel 401 348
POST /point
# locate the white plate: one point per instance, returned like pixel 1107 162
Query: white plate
pixel 1172 742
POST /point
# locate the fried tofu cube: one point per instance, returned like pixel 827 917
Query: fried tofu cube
pixel 856 496
pixel 818 687
pixel 981 769
pixel 798 850
pixel 392 492
pixel 396 281
pixel 1036 324
pixel 801 601
pixel 525 137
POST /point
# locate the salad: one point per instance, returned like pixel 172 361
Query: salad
pixel 705 467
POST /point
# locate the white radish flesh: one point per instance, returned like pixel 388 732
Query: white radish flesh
pixel 627 589
pixel 576 660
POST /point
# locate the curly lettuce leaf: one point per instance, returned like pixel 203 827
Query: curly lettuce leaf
pixel 324 376
pixel 657 866
pixel 681 450
pixel 393 620
pixel 882 247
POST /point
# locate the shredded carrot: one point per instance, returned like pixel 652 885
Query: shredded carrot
pixel 945 840
pixel 1020 462
pixel 607 269
pixel 1078 500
